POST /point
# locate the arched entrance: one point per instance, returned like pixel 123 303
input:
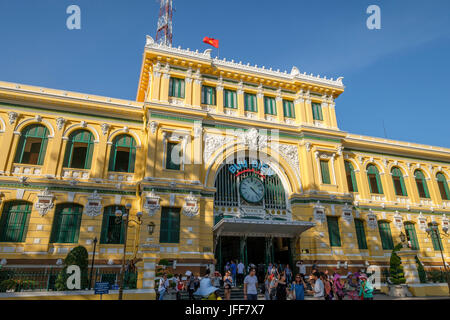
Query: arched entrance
pixel 252 214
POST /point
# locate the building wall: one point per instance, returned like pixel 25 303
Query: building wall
pixel 209 134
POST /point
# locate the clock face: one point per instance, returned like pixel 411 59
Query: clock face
pixel 252 189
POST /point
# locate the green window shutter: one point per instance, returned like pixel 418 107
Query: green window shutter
pixel 14 221
pixel 90 151
pixel 317 111
pixel 250 102
pixel 421 184
pixel 123 141
pixel 443 186
pixel 230 100
pixel 325 172
pixel 360 234
pixel 397 178
pixel 385 235
pixel 288 109
pixel 412 236
pixel 20 149
pixel 333 231
pixel 170 225
pixel 66 223
pixel 436 239
pixel 170 164
pixel 176 88
pixel 351 177
pixel 112 158
pixel 68 154
pixel 270 106
pixel 372 173
pixel 112 233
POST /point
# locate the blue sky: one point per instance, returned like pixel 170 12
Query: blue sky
pixel 399 74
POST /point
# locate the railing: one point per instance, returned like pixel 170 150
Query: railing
pixel 17 280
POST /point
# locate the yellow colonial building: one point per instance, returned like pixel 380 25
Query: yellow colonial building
pixel 222 160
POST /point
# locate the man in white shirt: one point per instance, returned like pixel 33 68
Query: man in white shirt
pixel 319 288
pixel 240 272
pixel 251 286
pixel 301 268
pixel 163 286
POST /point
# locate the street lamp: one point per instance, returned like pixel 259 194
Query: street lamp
pixel 126 220
pixel 92 266
pixel 150 228
pixel 433 231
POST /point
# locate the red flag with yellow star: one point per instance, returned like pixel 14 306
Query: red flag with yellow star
pixel 211 41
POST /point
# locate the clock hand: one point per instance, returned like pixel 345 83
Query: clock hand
pixel 254 190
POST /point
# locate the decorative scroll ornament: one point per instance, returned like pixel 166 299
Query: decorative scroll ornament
pixel 190 207
pixel 422 222
pixel 319 212
pixel 105 128
pixel 347 214
pixel 151 203
pixel 93 207
pixel 12 116
pixel 398 220
pixel 372 220
pixel 153 126
pixel 60 123
pixel 253 140
pixel 214 142
pixel 44 202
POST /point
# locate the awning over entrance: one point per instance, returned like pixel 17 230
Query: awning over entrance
pixel 261 228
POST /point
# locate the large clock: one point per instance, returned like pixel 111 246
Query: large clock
pixel 251 189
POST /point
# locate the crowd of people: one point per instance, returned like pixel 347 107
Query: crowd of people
pixel 276 282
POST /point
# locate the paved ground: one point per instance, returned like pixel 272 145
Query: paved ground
pixel 383 297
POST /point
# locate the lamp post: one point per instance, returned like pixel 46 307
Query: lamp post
pixel 125 219
pixel 92 266
pixel 434 231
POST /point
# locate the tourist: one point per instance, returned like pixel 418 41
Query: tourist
pixel 163 286
pixel 269 268
pixel 273 287
pixel 179 286
pixel 190 285
pixel 267 287
pixel 251 286
pixel 288 273
pixel 281 287
pixel 338 287
pixel 227 282
pixel 233 270
pixel 350 287
pixel 298 288
pixel 366 290
pixel 207 291
pixel 227 266
pixel 319 289
pixel 327 286
pixel 216 279
pixel 240 272
pixel 301 269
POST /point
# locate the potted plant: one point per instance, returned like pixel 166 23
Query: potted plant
pixel 397 285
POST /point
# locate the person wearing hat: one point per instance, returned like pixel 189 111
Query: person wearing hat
pixel 366 289
pixel 207 291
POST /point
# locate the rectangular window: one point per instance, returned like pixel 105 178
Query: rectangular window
pixel 325 172
pixel 288 108
pixel 360 234
pixel 173 156
pixel 229 99
pixel 250 103
pixel 176 88
pixel 66 224
pixel 373 183
pixel 436 239
pixel 443 190
pixel 333 231
pixel 398 186
pixel 270 106
pixel 170 225
pixel 385 235
pixel 421 188
pixel 208 95
pixel 411 235
pixel 317 111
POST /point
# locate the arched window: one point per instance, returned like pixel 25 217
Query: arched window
pixel 66 223
pixel 112 232
pixel 351 177
pixel 421 184
pixel 399 184
pixel 411 234
pixel 123 154
pixel 32 145
pixel 14 221
pixel 385 235
pixel 443 186
pixel 374 179
pixel 79 150
pixel 360 234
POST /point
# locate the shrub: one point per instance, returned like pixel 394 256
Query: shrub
pixel 421 271
pixel 396 268
pixel 77 256
pixel 8 284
